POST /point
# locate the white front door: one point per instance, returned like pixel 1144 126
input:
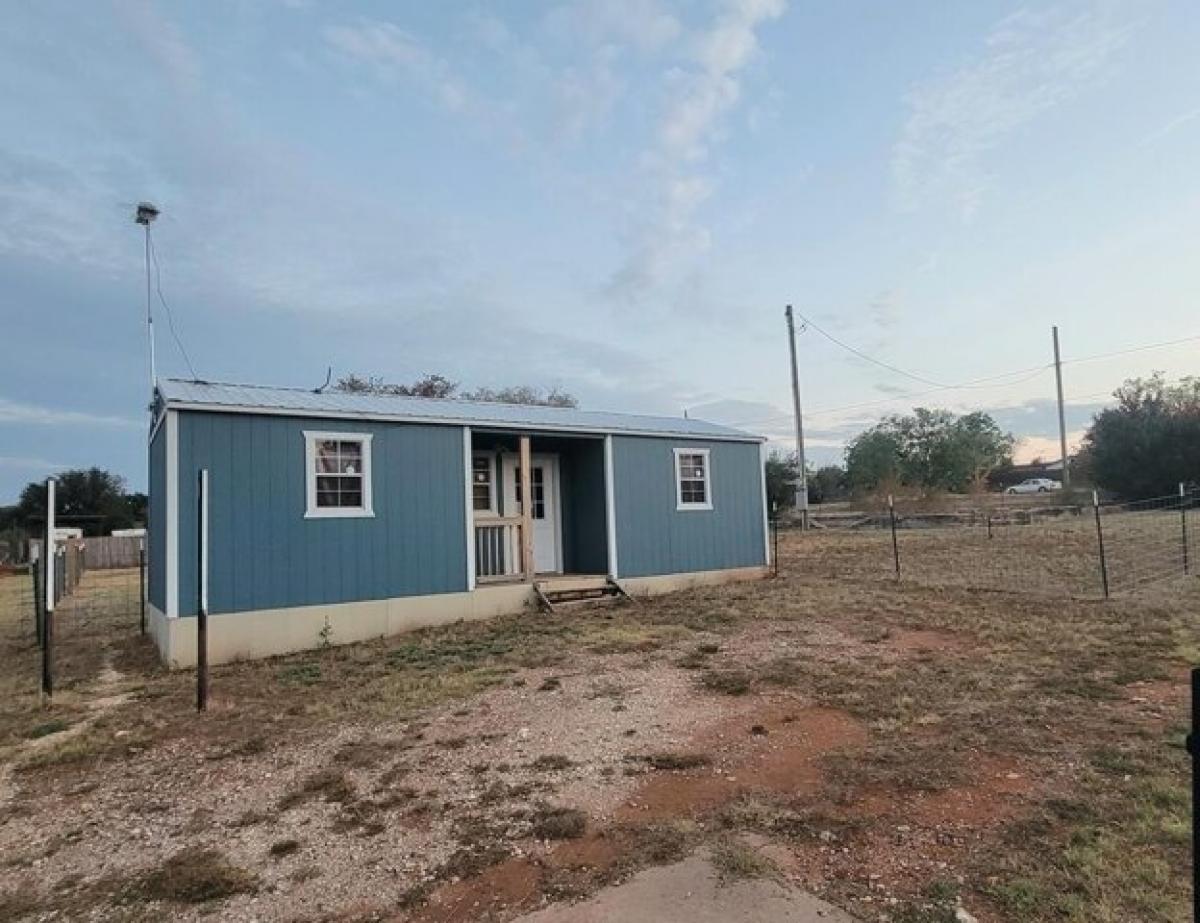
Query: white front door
pixel 546 509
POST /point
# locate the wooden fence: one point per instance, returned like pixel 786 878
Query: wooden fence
pixel 112 551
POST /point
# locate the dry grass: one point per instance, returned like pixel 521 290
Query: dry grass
pixel 735 860
pixel 194 876
pixel 1034 679
pixel 558 823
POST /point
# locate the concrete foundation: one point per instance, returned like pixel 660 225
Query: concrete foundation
pixel 270 632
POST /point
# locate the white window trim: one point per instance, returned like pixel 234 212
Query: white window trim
pixel 312 511
pixel 707 504
pixel 493 507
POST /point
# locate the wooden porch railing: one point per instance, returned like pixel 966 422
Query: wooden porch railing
pixel 498 548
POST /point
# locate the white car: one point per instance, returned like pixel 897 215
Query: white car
pixel 1034 486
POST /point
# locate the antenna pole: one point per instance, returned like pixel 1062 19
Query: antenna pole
pixel 150 313
pixel 145 214
pixel 802 469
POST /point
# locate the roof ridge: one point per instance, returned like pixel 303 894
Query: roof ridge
pixel 450 400
pixel 312 402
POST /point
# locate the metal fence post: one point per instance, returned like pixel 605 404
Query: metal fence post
pixel 1183 536
pixel 142 584
pixel 895 544
pixel 202 587
pixel 1100 540
pixel 51 594
pixel 1193 748
pixel 775 539
pixel 37 600
pixel 989 525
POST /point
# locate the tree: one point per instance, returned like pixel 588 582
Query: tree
pixel 432 385
pixel 781 479
pixel 827 484
pixel 931 449
pixel 1150 442
pixel 873 458
pixel 425 386
pixel 93 499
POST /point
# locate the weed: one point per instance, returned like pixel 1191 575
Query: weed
pixel 328 784
pixel 53 726
pixel 552 762
pixel 672 762
pixel 361 754
pixel 195 876
pixel 471 860
pixel 304 673
pixel 557 823
pixel 282 848
pixel 728 682
pixel 734 860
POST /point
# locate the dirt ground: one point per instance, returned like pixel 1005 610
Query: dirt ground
pixel 900 748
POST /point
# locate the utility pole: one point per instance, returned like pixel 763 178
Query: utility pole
pixel 1062 419
pixel 802 472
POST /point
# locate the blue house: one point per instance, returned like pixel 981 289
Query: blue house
pixel 337 517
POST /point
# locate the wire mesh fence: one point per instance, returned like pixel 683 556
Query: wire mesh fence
pixel 1081 550
pixel 94 609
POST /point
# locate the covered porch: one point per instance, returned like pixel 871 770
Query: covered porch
pixel 563 534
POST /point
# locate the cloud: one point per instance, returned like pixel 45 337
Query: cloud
pixel 397 55
pixel 17 412
pixel 699 95
pixel 18 463
pixel 1172 126
pixel 1032 448
pixel 643 24
pixel 1033 61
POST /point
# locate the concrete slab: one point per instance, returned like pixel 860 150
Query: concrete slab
pixel 691 892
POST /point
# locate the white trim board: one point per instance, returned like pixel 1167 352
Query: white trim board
pixel 311 510
pixel 172 489
pixel 762 473
pixel 468 465
pixel 610 508
pixel 680 505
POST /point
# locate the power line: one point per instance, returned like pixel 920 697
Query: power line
pixel 974 383
pixel 992 381
pixel 1133 349
pixel 858 352
pixel 167 307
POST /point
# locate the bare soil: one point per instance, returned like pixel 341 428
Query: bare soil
pixel 894 746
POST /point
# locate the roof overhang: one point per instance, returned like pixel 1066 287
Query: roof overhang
pixel 434 420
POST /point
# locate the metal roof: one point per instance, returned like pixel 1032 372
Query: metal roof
pixel 216 396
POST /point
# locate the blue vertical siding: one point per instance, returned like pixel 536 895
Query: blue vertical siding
pixel 653 537
pixel 265 555
pixel 585 535
pixel 156 524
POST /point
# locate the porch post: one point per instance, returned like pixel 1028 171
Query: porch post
pixel 610 508
pixel 526 510
pixel 469 475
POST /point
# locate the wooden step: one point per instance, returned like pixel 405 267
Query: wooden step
pixel 564 591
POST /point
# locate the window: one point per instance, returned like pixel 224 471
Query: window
pixel 537 478
pixel 337 475
pixel 692 490
pixel 483 483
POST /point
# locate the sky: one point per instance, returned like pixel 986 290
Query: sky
pixel 613 197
